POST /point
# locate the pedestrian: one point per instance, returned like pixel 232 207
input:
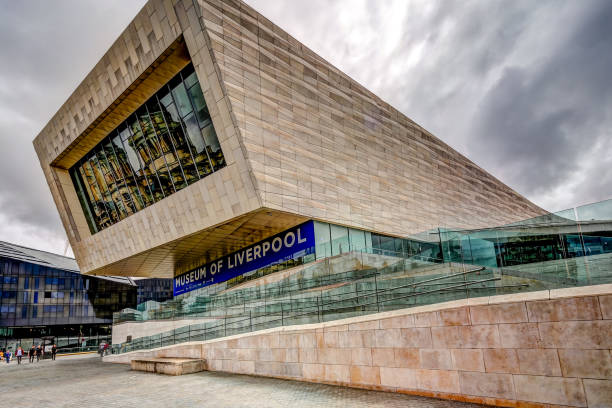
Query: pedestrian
pixel 38 353
pixel 7 356
pixel 19 354
pixel 53 352
pixel 32 353
pixel 105 348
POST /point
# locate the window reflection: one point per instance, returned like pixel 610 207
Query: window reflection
pixel 120 188
pixel 134 173
pixel 167 147
pixel 138 143
pixel 167 144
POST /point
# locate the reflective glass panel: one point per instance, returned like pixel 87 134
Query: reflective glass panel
pixel 193 134
pixel 165 145
pixel 110 185
pixel 134 173
pixel 116 173
pixel 139 144
pixel 182 100
pixel 183 145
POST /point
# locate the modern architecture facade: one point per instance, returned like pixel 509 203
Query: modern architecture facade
pixel 155 289
pixel 43 296
pixel 211 148
pixel 207 128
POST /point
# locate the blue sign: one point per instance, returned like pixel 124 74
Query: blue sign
pixel 295 242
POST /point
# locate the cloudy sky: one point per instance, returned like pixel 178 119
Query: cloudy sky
pixel 523 88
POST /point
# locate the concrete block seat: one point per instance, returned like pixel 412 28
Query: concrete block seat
pixel 169 365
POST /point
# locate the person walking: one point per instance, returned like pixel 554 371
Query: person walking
pixel 7 356
pixel 38 353
pixel 53 352
pixel 19 354
pixel 32 353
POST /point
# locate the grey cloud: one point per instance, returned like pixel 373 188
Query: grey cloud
pixel 47 48
pixel 523 88
pixel 538 127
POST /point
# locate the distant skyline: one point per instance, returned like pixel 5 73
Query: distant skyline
pixel 522 88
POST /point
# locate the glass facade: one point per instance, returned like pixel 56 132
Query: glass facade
pixel 332 240
pixel 156 289
pixel 166 145
pixel 568 234
pixel 39 301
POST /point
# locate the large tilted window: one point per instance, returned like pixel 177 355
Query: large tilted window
pixel 166 145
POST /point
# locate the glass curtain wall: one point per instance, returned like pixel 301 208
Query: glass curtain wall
pixel 156 289
pixel 573 233
pixel 331 240
pixel 32 294
pixel 166 145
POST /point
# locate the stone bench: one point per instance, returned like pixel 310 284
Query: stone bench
pixel 169 365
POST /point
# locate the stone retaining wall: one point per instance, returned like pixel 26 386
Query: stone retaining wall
pixel 548 348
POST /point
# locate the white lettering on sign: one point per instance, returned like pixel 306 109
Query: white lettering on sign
pixel 277 243
pixel 299 234
pixel 285 245
pixel 289 239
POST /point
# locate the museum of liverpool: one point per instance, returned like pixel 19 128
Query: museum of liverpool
pixel 210 147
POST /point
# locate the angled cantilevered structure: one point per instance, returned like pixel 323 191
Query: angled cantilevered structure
pixel 206 128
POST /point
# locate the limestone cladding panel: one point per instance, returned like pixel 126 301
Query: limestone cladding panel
pixel 225 195
pixel 323 146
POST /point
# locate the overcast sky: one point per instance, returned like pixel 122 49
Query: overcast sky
pixel 523 88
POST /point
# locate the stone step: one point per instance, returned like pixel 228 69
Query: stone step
pixel 169 365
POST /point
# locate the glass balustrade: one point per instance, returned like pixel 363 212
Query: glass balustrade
pixel 566 249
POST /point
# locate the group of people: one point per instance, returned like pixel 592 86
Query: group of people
pixel 103 349
pixel 35 352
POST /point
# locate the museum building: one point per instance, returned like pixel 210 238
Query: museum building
pixel 207 134
pixel 297 212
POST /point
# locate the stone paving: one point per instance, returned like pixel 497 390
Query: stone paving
pixel 87 382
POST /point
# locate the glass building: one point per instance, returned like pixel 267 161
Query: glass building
pixel 43 296
pixel 166 145
pixel 156 289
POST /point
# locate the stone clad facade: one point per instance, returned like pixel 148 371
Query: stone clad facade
pixel 539 349
pixel 301 141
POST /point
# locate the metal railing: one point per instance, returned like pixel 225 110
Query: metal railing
pixel 463 281
pixel 204 304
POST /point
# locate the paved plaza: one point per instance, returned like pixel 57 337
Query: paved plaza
pixel 84 381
